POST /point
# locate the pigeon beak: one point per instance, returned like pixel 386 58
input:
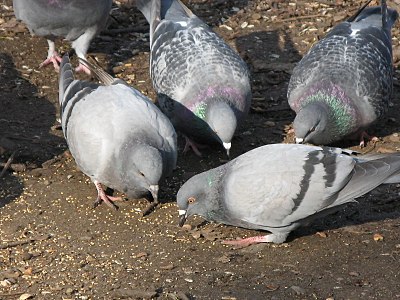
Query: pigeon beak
pixel 227 146
pixel 299 141
pixel 182 217
pixel 154 191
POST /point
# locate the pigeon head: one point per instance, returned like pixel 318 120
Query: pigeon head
pixel 222 120
pixel 146 168
pixel 311 124
pixel 199 196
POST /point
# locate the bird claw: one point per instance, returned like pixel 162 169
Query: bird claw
pixel 55 59
pixel 103 197
pixel 82 68
pixel 365 136
pixel 248 241
pixel 190 144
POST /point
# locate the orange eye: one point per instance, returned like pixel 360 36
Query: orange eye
pixel 191 200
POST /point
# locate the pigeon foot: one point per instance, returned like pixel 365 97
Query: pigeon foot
pixel 82 68
pixel 103 197
pixel 195 147
pixel 365 136
pixel 277 238
pixel 54 59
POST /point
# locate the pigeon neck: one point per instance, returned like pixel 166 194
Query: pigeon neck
pixel 340 110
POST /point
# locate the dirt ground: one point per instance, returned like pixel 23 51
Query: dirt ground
pixel 54 245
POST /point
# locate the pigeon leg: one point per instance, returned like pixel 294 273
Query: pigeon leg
pixel 102 196
pixel 276 238
pixel 365 136
pixel 195 147
pixel 52 57
pixel 82 68
pixel 81 46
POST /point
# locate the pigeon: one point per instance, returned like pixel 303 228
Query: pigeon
pixel 202 85
pixel 344 83
pixel 117 136
pixel 75 20
pixel 279 187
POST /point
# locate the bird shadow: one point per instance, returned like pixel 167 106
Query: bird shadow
pixel 271 56
pixel 26 122
pixel 378 205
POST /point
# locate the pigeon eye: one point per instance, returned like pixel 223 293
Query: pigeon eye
pixel 191 200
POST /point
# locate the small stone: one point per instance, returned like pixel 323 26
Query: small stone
pixel 46 182
pixel 167 267
pixel 298 290
pixel 321 234
pixel 26 256
pixel 187 227
pixel 188 280
pixel 269 124
pixel 244 24
pixel 69 291
pixel 378 237
pixel 26 296
pixel 37 172
pixel 354 274
pixel 256 16
pixel 70 176
pixel 142 255
pixel 224 259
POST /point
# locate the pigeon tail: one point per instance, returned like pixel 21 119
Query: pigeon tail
pixel 66 77
pixel 156 10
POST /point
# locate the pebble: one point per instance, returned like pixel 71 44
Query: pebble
pixel 244 24
pixel 256 16
pixel 26 256
pixel 26 296
pixel 298 290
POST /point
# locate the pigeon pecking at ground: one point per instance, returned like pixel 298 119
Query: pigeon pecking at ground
pixel 344 83
pixel 75 20
pixel 203 86
pixel 117 136
pixel 280 187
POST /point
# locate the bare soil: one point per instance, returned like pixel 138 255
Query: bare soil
pixel 54 245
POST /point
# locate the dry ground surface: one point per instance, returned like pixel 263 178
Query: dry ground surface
pixel 54 245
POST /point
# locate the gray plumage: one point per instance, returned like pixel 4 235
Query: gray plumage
pixel 344 83
pixel 279 187
pixel 203 85
pixel 74 20
pixel 117 136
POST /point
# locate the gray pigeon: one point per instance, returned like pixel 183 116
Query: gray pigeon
pixel 344 83
pixel 279 187
pixel 117 136
pixel 203 86
pixel 75 20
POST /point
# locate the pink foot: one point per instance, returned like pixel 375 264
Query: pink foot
pixel 83 68
pixel 103 197
pixel 365 136
pixel 195 147
pixel 55 59
pixel 248 241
